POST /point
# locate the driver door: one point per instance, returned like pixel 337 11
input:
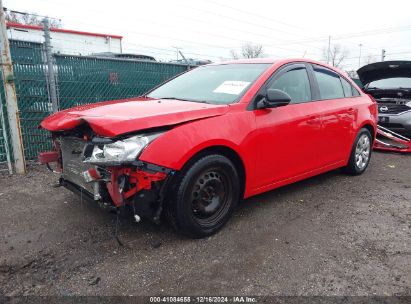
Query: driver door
pixel 288 137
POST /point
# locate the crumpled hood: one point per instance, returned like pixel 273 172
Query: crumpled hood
pixel 113 118
pixel 383 70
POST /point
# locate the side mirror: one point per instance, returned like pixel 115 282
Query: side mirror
pixel 274 98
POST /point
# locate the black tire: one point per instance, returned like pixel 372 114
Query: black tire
pixel 352 167
pixel 204 197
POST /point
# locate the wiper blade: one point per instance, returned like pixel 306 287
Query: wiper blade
pixel 170 98
pixel 178 98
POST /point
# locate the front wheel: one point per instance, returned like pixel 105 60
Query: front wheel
pixel 360 153
pixel 205 197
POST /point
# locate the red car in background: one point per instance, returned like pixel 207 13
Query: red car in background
pixel 193 147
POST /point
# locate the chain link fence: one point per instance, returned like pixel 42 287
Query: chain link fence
pixel 32 94
pixel 5 158
pixel 80 80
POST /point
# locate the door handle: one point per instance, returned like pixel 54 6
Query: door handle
pixel 350 111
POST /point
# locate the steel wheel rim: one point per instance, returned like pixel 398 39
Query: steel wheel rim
pixel 362 151
pixel 210 197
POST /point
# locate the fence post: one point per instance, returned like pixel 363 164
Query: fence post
pixel 11 98
pixel 50 68
pixel 5 138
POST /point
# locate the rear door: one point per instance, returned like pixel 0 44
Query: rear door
pixel 338 112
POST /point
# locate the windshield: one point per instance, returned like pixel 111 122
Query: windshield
pixel 390 83
pixel 218 84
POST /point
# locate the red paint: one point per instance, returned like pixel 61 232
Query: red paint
pixel 94 174
pixel 113 189
pixel 276 146
pixel 58 30
pixel 143 181
pixel 137 179
pixel 118 117
pixel 48 157
pixel 391 141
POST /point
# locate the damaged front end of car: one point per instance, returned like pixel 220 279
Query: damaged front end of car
pixel 107 171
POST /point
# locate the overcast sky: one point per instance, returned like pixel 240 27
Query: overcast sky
pixel 209 29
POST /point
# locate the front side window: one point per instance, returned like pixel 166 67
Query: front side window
pixel 295 83
pixel 217 84
pixel 329 84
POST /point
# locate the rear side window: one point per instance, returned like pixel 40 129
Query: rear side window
pixel 355 92
pixel 295 83
pixel 329 83
pixel 347 88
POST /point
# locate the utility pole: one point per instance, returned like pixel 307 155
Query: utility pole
pixel 359 57
pixel 185 60
pixel 50 68
pixel 329 50
pixel 11 98
pixel 382 54
pixel 177 50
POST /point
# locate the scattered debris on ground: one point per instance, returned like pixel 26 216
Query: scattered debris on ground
pixel 330 235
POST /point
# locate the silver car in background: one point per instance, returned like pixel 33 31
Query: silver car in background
pixel 389 82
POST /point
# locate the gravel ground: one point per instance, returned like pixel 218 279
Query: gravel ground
pixel 329 235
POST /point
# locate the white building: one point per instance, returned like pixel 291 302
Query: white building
pixel 66 41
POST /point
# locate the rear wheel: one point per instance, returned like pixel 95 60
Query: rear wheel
pixel 360 153
pixel 205 197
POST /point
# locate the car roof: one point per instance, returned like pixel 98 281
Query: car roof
pixel 253 60
pixel 280 62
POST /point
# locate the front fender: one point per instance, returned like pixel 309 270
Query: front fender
pixel 175 147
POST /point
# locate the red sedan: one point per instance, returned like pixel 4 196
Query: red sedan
pixel 193 147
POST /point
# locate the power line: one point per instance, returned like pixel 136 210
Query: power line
pixel 346 36
pixel 391 47
pixel 378 55
pixel 248 22
pixel 356 34
pixel 129 47
pixel 278 45
pixel 162 50
pixel 193 43
pixel 254 14
pixel 208 34
pixel 31 14
pixel 242 31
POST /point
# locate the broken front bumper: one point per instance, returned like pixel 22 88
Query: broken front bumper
pixel 140 185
